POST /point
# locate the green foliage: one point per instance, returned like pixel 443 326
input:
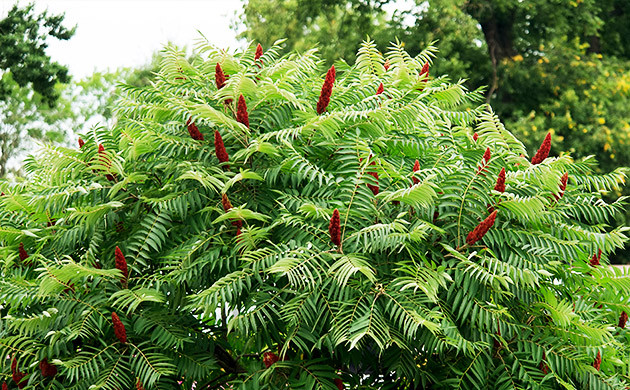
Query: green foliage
pixel 403 303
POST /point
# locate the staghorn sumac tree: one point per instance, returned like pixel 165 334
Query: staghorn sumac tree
pixel 394 240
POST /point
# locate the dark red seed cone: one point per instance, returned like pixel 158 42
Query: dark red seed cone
pixel 623 318
pixel 475 137
pixel 4 386
pixel 81 142
pixel 543 365
pixel 219 76
pixel 269 358
pixel 563 185
pixel 486 155
pixel 22 251
pixel 543 151
pixel 121 263
pixel 119 329
pixel 425 69
pixel 17 376
pixel 241 112
pixel 101 155
pixel 500 186
pixel 14 365
pixel 259 52
pixel 139 385
pixel 416 168
pixel 481 229
pixel 338 383
pixel 386 65
pixel 193 130
pixel 225 201
pixel 219 149
pixel 334 228
pixel 372 187
pixel 380 89
pixel 595 259
pixel 324 96
pixel 48 370
pixel 598 361
pixel 101 148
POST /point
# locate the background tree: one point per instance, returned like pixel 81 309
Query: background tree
pixel 23 46
pixel 292 226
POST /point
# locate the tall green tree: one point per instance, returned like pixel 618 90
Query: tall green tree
pixel 23 35
pixel 263 221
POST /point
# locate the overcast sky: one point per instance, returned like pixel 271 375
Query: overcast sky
pixel 117 33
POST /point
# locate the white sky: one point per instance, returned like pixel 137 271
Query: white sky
pixel 125 33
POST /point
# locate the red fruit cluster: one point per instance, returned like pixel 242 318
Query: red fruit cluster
pixel 334 228
pixel 623 318
pixel 121 264
pixel 119 329
pixel 193 130
pixel 17 375
pixel 543 151
pixel 416 168
pixel 259 53
pixel 219 76
pixel 104 160
pixel 4 386
pixel 500 186
pixel 269 358
pixel 543 366
pixel 48 370
pixel 475 137
pixel 380 89
pixel 598 361
pixel 81 142
pixel 219 148
pixel 139 385
pixel 486 155
pixel 241 111
pixel 596 258
pixel 225 201
pixel 563 185
pixel 324 96
pixel 481 229
pixel 22 251
pixel 425 69
pixel 386 65
pixel 372 187
pixel 339 383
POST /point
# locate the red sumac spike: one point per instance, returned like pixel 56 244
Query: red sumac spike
pixel 81 142
pixel 139 385
pixel 380 89
pixel 121 263
pixel 269 358
pixel 598 361
pixel 219 76
pixel 623 318
pixel 338 383
pixel 475 137
pixel 22 251
pixel 193 130
pixel 481 229
pixel 386 65
pixel 334 228
pixel 425 69
pixel 500 186
pixel 324 96
pixel 225 201
pixel 48 369
pixel 219 148
pixel 4 386
pixel 119 328
pixel 241 111
pixel 259 52
pixel 594 260
pixel 416 168
pixel 543 151
pixel 486 155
